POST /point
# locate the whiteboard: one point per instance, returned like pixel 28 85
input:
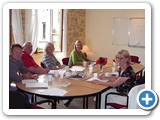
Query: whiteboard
pixel 137 32
pixel 120 33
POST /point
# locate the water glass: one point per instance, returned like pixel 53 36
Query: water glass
pixel 56 73
pixel 61 75
pixel 95 75
pixel 113 69
pixel 84 64
pixel 66 68
pixel 49 78
pixel 90 70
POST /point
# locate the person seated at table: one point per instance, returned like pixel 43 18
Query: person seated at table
pixel 122 83
pixel 49 60
pixel 17 71
pixel 29 62
pixel 76 56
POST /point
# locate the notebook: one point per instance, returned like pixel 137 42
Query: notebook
pixel 37 85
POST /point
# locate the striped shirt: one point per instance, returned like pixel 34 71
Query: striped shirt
pixel 50 61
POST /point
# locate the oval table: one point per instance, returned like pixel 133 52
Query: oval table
pixel 77 89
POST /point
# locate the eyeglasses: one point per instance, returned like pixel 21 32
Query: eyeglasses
pixel 120 58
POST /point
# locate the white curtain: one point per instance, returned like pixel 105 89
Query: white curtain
pixel 32 27
pixel 64 42
pixel 17 26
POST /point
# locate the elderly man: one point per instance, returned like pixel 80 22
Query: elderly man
pixel 29 62
pixel 17 71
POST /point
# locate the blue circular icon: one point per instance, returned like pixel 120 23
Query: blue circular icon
pixel 147 99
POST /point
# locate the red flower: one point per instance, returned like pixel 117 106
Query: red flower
pixel 101 60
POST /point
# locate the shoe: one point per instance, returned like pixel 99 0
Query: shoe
pixel 68 102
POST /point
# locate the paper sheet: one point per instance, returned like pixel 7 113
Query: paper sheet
pixel 51 72
pixel 54 91
pixel 36 85
pixel 29 81
pixel 77 68
pixel 59 71
pixel 93 78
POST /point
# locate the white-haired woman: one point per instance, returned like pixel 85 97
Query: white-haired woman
pixel 49 60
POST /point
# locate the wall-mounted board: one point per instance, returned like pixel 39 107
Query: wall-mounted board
pixel 129 31
pixel 137 32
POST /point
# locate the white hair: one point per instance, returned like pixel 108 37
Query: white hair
pixel 26 43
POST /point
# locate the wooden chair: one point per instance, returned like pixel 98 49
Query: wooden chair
pixel 131 98
pixel 42 65
pixel 65 60
pixel 19 100
pixel 135 59
pixel 85 54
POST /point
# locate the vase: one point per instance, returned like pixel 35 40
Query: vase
pixel 101 68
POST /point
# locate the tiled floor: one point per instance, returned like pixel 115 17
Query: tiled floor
pixel 76 103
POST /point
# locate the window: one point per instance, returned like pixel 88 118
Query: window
pixel 51 28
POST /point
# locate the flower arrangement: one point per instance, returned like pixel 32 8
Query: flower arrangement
pixel 101 61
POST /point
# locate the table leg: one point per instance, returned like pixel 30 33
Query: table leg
pixel 85 102
pixel 33 99
pixel 55 104
pixel 98 101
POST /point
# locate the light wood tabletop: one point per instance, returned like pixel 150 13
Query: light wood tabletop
pixel 77 88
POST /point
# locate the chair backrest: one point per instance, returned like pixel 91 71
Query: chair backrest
pixel 85 54
pixel 65 60
pixel 42 65
pixel 18 100
pixel 135 59
pixel 132 103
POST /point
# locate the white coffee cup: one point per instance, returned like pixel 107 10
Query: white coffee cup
pixel 49 78
pixel 66 68
pixel 84 64
pixel 107 74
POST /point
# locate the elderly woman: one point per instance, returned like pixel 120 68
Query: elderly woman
pixel 121 83
pixel 49 60
pixel 76 56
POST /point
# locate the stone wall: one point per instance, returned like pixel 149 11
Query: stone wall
pixel 76 20
pixel 23 22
